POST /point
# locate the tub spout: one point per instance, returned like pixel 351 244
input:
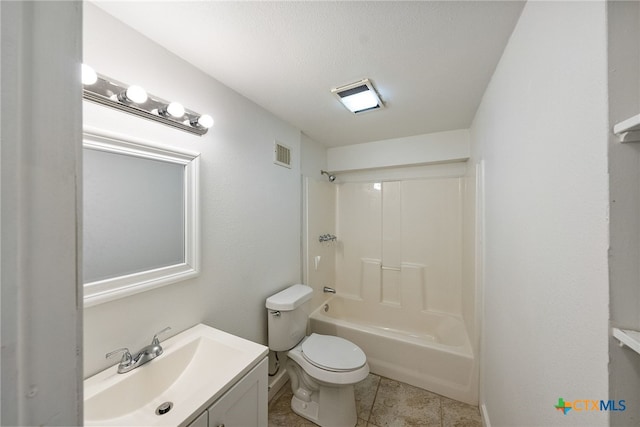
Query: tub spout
pixel 328 290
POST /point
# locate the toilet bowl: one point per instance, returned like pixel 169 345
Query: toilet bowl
pixel 322 368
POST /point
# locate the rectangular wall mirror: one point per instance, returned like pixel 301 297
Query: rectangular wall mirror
pixel 140 216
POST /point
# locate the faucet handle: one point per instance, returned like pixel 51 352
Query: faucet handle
pixel 155 340
pixel 126 356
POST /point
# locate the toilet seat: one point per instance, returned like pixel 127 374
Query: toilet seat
pixel 325 376
pixel 333 353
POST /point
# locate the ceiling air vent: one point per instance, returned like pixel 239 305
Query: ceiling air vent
pixel 282 155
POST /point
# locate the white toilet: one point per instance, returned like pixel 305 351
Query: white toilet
pixel 322 368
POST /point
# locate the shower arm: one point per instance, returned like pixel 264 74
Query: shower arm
pixel 331 177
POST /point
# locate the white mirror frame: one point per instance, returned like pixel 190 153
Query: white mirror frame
pixel 111 289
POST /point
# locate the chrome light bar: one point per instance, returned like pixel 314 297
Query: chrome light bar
pixel 134 100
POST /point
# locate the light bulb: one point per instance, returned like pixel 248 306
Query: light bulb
pixel 205 120
pixel 360 101
pixel 89 75
pixel 136 94
pixel 175 109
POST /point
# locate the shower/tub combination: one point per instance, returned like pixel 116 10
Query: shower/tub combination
pixel 402 268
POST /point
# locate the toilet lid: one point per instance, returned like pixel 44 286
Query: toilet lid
pixel 333 353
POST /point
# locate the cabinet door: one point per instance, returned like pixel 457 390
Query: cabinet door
pixel 245 404
pixel 201 421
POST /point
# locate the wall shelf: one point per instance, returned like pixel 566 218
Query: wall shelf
pixel 628 130
pixel 628 337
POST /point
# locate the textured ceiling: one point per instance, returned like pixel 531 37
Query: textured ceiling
pixel 430 61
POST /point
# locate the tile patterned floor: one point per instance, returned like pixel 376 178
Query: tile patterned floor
pixel 382 402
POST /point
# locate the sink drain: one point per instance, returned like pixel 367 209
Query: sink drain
pixel 164 408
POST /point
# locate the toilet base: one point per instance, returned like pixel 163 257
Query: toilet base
pixel 308 410
pixel 330 409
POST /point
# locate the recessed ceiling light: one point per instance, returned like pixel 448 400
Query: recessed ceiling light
pixel 359 97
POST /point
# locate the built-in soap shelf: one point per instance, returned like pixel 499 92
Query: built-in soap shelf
pixel 628 337
pixel 628 130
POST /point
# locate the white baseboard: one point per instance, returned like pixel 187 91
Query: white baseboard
pixel 485 416
pixel 276 382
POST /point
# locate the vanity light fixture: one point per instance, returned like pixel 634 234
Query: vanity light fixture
pixel 135 100
pixel 359 97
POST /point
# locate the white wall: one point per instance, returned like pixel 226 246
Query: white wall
pixel 40 134
pixel 440 147
pixel 541 130
pixel 313 158
pixel 250 215
pixel 624 170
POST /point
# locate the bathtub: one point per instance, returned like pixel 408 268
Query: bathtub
pixel 428 350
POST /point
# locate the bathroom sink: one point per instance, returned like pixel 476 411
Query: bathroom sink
pixel 196 368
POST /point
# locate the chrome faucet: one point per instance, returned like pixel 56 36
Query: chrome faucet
pixel 328 290
pixel 144 355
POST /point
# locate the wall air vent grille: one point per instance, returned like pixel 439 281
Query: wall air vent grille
pixel 282 155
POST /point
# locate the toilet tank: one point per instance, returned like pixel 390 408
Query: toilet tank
pixel 288 315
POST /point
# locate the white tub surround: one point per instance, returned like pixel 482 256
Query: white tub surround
pixel 399 260
pixel 400 243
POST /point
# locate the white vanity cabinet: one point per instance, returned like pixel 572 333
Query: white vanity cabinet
pixel 243 405
pixel 201 421
pixel 204 377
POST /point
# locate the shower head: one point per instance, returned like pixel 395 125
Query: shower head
pixel 331 177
